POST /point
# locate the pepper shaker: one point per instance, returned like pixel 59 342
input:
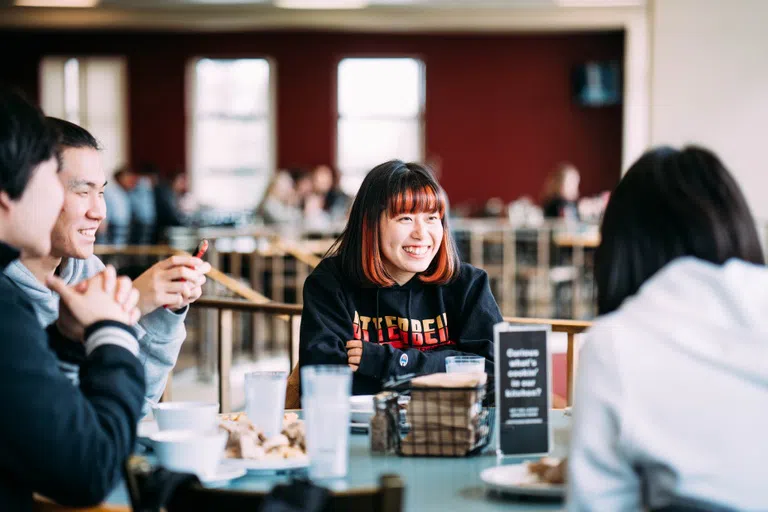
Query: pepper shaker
pixel 381 428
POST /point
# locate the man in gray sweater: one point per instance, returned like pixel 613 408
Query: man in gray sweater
pixel 166 289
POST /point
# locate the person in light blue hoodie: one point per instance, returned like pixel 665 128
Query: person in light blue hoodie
pixel 174 282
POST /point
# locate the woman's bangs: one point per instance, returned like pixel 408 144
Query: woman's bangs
pixel 416 200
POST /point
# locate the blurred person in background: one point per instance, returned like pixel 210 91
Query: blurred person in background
pixel 302 184
pixel 561 193
pixel 116 228
pixel 160 330
pixel 672 375
pixel 325 183
pixel 494 208
pixel 326 205
pixel 168 194
pixel 143 206
pixel 65 442
pixel 280 204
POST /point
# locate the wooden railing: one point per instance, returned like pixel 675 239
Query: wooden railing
pixel 292 313
pixel 528 267
pixel 258 303
pixel 226 308
pixel 571 328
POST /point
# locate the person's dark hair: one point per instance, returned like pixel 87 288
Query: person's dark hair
pixel 26 141
pixel 148 169
pixel 393 187
pixel 298 173
pixel 671 203
pixel 72 135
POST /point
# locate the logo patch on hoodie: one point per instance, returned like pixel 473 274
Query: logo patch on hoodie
pixel 403 359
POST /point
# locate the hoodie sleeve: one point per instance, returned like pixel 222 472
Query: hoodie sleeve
pixel 600 472
pixel 65 442
pixel 475 334
pixel 161 334
pixel 326 323
pixel 479 314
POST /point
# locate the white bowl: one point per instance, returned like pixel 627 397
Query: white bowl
pixel 190 451
pixel 199 416
pixel 360 408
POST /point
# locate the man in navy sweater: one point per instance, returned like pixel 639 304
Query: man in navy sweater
pixel 67 443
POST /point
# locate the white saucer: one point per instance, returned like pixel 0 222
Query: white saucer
pixel 270 465
pixel 358 427
pixel 515 479
pixel 225 473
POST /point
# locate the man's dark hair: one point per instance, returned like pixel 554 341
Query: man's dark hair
pixel 72 135
pixel 26 141
pixel 671 203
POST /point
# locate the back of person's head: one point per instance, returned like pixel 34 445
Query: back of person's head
pixel 671 203
pixel 26 140
pixel 73 136
pixel 393 188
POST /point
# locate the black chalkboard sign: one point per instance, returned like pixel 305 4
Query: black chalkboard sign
pixel 522 390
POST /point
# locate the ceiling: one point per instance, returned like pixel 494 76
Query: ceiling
pixel 378 15
pixel 509 4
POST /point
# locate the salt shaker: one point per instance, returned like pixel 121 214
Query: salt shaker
pixel 382 430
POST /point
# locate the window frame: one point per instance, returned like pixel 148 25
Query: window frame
pixel 421 116
pixel 191 116
pixel 57 106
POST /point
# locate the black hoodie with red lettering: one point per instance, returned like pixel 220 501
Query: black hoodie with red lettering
pixel 408 329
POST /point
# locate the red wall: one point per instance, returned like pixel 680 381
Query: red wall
pixel 499 112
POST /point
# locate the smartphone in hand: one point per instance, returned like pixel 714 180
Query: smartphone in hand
pixel 200 251
pixel 201 248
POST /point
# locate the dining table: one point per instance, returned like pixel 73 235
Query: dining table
pixel 431 483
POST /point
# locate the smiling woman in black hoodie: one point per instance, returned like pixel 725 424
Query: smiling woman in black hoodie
pixel 393 298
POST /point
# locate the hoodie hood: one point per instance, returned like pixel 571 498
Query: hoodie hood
pixel 45 301
pixel 717 314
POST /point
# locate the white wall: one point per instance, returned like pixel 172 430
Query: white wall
pixel 709 84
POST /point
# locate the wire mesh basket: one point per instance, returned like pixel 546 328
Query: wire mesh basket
pixel 445 422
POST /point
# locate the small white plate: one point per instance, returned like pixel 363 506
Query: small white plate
pixel 361 408
pixel 224 474
pixel 361 402
pixel 515 479
pixel 359 427
pixel 268 465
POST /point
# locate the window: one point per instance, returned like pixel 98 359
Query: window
pixel 381 115
pixel 232 135
pixel 90 92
